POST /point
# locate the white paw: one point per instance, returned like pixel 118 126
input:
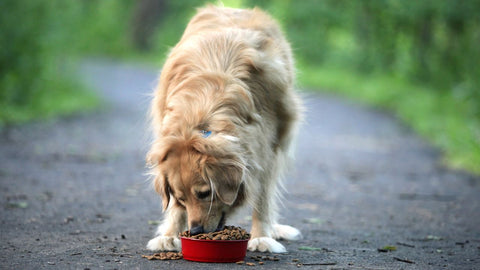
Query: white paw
pixel 286 232
pixel 264 244
pixel 165 243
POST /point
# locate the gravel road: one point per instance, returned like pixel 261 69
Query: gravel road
pixel 75 195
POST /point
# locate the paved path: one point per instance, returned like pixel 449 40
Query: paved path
pixel 74 194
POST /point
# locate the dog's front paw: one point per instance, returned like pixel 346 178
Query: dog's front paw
pixel 264 244
pixel 286 232
pixel 164 243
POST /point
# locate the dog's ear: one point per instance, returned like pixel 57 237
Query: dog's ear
pixel 161 186
pixel 226 180
pixel 157 155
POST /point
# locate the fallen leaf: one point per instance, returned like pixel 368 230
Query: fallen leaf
pixel 387 248
pixel 313 220
pixel 403 260
pixel 153 222
pixel 21 204
pixel 433 238
pixel 309 248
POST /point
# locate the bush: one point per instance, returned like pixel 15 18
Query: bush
pixel 435 43
pixel 416 58
pixel 36 81
pixel 102 27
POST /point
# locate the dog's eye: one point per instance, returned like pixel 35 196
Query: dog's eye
pixel 203 194
pixel 205 133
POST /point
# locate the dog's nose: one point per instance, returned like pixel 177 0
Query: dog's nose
pixel 196 230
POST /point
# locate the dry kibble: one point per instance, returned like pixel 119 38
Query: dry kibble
pixel 228 233
pixel 164 256
pixel 260 263
pixel 250 264
pixel 240 262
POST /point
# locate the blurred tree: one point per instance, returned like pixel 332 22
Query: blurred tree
pixel 24 38
pixel 432 42
pixel 146 17
pixel 173 23
pixel 36 38
pixel 103 26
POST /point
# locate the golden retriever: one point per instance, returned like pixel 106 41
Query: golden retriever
pixel 223 115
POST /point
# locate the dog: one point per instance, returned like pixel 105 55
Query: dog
pixel 224 114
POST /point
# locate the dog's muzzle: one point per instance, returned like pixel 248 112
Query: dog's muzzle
pixel 221 223
pixel 196 230
pixel 199 229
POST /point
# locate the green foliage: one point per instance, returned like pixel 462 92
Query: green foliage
pixel 173 24
pixel 102 27
pixel 35 80
pixel 444 119
pixel 417 58
pixel 435 43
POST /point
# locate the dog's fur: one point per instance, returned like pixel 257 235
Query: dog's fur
pixel 223 115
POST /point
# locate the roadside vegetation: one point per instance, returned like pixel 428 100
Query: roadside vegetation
pixel 417 59
pixel 36 61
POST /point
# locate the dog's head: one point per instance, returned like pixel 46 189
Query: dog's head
pixel 198 158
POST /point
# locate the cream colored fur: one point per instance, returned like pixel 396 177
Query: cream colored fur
pixel 223 115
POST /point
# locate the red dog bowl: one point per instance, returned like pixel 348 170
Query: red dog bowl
pixel 200 250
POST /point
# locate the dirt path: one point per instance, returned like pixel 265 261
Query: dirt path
pixel 74 194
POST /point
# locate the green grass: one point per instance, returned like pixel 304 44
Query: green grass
pixel 442 119
pixel 60 96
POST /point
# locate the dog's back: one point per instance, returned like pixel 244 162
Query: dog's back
pixel 248 45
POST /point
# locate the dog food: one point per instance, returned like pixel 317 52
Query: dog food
pixel 259 259
pixel 228 233
pixel 264 258
pixel 164 256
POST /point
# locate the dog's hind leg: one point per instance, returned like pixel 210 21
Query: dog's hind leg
pixel 167 233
